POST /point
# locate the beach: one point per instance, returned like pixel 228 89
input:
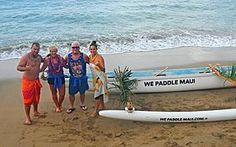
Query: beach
pixel 140 35
pixel 79 129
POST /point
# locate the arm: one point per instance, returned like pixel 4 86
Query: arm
pixel 101 64
pixel 86 58
pixel 65 64
pixel 22 65
pixel 41 58
pixel 63 61
pixel 45 65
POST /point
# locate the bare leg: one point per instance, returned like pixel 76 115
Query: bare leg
pixel 61 95
pixel 71 107
pixel 82 104
pixel 27 113
pixel 72 100
pixel 97 104
pixel 102 105
pixel 54 97
pixel 36 111
pixel 82 98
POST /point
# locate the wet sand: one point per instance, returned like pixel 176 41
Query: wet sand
pixel 78 129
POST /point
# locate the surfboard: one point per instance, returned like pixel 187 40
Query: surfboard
pixel 171 117
pixel 221 76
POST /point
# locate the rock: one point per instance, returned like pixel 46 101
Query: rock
pixel 118 134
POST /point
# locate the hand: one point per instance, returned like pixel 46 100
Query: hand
pixel 28 68
pixel 92 65
pixel 97 68
pixel 97 63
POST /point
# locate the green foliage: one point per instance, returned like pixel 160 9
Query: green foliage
pixel 229 72
pixel 124 83
pixel 43 77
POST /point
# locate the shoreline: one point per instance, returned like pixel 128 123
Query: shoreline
pixel 183 57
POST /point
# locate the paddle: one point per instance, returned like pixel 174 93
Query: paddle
pixel 161 71
pixel 216 72
pixel 216 66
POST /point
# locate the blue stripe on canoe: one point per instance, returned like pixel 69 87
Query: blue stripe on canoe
pixel 168 72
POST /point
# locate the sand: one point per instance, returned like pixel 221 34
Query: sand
pixel 78 129
pixel 172 58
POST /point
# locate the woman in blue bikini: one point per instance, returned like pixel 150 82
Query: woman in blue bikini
pixel 56 78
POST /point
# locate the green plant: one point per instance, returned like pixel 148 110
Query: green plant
pixel 43 77
pixel 229 72
pixel 124 83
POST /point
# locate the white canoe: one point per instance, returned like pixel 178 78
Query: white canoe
pixel 170 80
pixel 174 80
pixel 170 117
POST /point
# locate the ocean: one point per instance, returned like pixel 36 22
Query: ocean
pixel 117 25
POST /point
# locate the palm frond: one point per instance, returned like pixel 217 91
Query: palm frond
pixel 229 72
pixel 124 83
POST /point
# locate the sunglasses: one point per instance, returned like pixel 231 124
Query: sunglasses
pixel 53 51
pixel 75 47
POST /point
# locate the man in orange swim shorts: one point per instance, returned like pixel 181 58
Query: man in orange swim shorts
pixel 29 64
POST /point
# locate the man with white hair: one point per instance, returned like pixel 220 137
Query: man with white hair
pixel 76 62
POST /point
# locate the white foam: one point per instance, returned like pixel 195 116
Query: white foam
pixel 135 42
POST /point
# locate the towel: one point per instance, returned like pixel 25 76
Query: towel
pixel 100 82
pixel 31 91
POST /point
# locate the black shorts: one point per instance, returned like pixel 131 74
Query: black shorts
pixel 99 97
pixel 51 80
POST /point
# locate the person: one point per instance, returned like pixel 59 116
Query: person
pixel 97 67
pixel 56 78
pixel 29 64
pixel 78 82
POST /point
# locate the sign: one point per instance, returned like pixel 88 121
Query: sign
pixel 182 119
pixel 169 82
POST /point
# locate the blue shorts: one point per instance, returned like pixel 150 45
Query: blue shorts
pixel 56 81
pixel 78 85
pixel 51 80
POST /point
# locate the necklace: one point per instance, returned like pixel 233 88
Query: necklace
pixel 55 65
pixel 93 58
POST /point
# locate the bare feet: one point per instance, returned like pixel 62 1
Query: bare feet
pixel 58 110
pixel 101 108
pixel 94 114
pixel 39 115
pixel 28 122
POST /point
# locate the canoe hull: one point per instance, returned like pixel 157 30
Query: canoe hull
pixel 177 83
pixel 172 117
pixel 191 82
pixel 171 80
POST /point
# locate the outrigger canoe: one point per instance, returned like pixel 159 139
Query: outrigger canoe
pixel 169 80
pixel 176 80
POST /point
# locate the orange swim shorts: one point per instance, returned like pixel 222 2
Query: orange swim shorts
pixel 31 91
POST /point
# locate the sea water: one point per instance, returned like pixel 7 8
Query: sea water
pixel 117 26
